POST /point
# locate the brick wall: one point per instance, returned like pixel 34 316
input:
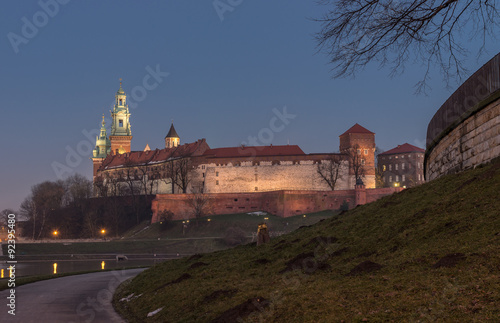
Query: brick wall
pixel 280 203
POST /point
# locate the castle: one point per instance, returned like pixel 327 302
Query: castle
pixel 194 168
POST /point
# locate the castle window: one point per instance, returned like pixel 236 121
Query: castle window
pixel 359 151
pixel 403 166
pixel 236 200
pixel 397 178
pixel 390 167
pixel 390 179
pixel 366 151
pixel 403 178
pixel 120 101
pixel 216 173
pixel 203 174
pixel 216 182
pixel 120 123
pixel 362 161
pixel 383 168
pixel 396 167
pixel 256 188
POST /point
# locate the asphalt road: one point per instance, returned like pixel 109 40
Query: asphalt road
pixel 80 298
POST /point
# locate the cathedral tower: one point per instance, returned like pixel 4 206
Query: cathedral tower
pixel 121 135
pixel 102 147
pixel 172 138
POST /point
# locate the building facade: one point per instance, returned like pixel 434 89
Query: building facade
pixel 196 168
pixel 401 166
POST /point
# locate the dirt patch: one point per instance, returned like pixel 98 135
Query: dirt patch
pixel 339 252
pixel 321 241
pixel 220 293
pixel 198 264
pixel 262 261
pixel 450 260
pixel 305 262
pixel 237 313
pixel 366 254
pixel 364 267
pixel 195 257
pixel 175 281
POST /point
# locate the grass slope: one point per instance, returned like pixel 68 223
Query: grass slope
pixel 385 261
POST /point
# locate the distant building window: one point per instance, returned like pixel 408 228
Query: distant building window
pixel 403 166
pixel 216 173
pixel 403 178
pixel 396 167
pixel 203 174
pixel 390 179
pixel 397 178
pixel 359 151
pixel 362 161
pixel 366 151
pixel 390 167
pixel 383 168
pixel 120 123
pixel 418 165
pixel 216 182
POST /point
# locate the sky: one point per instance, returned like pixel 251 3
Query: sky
pixel 220 76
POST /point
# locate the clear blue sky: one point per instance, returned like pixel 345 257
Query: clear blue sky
pixel 225 78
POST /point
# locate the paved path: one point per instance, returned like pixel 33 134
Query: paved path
pixel 79 298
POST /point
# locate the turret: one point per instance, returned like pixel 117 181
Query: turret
pixel 102 147
pixel 172 138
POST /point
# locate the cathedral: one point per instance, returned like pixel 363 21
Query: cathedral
pixel 197 168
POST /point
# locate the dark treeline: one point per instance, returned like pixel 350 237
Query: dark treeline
pixel 67 206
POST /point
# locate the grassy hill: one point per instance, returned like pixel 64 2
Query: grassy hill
pixel 431 253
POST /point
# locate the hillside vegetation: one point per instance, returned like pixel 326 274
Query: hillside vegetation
pixel 431 253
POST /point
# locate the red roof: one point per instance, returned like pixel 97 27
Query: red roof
pixel 254 151
pixel 404 148
pixel 137 158
pixel 357 129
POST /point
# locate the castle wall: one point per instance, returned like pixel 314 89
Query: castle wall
pixel 266 176
pixel 474 141
pixel 280 203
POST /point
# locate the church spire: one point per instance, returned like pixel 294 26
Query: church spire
pixel 121 133
pixel 172 138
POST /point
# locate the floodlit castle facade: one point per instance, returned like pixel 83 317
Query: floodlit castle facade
pixel 198 168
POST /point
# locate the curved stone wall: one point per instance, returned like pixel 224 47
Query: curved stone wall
pixel 465 131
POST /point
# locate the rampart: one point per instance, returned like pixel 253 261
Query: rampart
pixel 465 132
pixel 280 203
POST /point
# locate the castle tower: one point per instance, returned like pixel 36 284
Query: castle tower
pixel 358 143
pixel 102 147
pixel 172 138
pixel 121 135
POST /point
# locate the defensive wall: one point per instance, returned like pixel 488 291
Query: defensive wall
pixel 465 131
pixel 281 203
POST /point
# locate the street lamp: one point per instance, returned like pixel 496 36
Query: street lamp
pixel 55 233
pixel 103 232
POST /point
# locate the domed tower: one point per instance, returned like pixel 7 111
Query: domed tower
pixel 102 147
pixel 121 134
pixel 172 138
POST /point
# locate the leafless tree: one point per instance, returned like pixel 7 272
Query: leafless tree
pixel 199 204
pixel 354 33
pixel 329 170
pixel 182 169
pixel 356 161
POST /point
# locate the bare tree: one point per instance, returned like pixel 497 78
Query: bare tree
pixel 356 161
pixel 329 170
pixel 182 169
pixel 199 204
pixel 354 33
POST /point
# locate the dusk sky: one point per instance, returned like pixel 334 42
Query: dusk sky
pixel 227 75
